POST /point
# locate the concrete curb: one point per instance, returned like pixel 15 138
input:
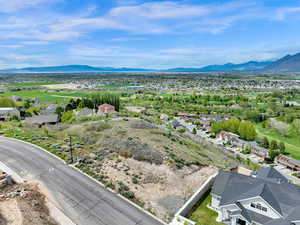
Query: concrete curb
pixel 36 146
pixel 133 204
pixel 13 174
pixel 121 196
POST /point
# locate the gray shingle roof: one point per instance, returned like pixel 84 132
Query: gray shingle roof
pixel 268 184
pixel 43 119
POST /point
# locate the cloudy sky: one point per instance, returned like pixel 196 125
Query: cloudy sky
pixel 146 33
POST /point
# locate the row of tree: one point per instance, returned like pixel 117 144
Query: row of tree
pixel 93 101
pixel 245 129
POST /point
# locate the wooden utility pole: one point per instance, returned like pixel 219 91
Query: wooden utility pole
pixel 71 148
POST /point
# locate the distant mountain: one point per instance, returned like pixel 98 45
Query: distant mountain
pixel 73 68
pixel 289 63
pixel 248 66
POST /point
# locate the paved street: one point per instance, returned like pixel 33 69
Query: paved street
pixel 83 200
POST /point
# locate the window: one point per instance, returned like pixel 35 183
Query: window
pixel 258 206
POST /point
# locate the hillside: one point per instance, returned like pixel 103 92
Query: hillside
pixel 289 63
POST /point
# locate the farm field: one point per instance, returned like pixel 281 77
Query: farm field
pixel 33 84
pixel 292 143
pixel 46 96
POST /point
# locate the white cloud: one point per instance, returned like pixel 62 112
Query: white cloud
pixel 283 13
pixel 8 6
pixel 159 10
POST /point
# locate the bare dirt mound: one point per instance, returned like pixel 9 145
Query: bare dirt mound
pixel 24 204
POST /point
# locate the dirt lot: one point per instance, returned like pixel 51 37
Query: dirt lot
pixel 149 165
pixel 61 86
pixel 162 189
pixel 24 204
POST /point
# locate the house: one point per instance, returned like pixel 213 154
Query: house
pixel 164 117
pixel 43 119
pixel 227 137
pixel 84 112
pixel 6 113
pixel 264 198
pixel 16 98
pixel 235 140
pixel 176 124
pixel 288 162
pixel 260 151
pixel 136 109
pixel 49 110
pixel 106 108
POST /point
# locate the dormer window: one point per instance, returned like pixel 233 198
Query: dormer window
pixel 258 206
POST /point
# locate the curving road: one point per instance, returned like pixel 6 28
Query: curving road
pixel 82 199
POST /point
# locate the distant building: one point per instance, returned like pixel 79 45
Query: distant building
pixel 164 117
pixel 6 113
pixel 16 98
pixel 50 109
pixel 288 162
pixel 107 109
pixel 227 137
pixel 84 112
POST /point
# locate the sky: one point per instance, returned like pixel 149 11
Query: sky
pixel 146 33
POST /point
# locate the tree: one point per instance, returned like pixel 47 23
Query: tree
pixel 247 131
pixel 59 111
pixel 194 131
pixel 273 145
pixel 273 154
pixel 282 147
pixel 7 102
pixel 233 125
pixel 265 142
pixel 67 117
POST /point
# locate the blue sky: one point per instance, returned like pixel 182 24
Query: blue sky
pixel 146 33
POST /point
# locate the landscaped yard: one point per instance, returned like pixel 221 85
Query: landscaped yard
pixel 202 214
pixel 292 142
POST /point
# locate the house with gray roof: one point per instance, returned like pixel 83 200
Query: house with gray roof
pixel 6 113
pixel 43 119
pixel 264 198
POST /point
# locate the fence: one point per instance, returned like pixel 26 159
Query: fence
pixel 179 218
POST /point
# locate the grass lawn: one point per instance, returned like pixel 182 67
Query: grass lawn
pixel 33 84
pixel 45 96
pixel 203 215
pixel 292 142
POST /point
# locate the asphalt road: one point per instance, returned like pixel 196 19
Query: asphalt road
pixel 82 199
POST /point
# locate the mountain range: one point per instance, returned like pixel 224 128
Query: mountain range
pixel 289 63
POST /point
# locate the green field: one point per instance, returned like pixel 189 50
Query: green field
pixel 203 215
pixel 32 84
pixel 292 142
pixel 46 96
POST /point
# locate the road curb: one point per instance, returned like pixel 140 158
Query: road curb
pixel 36 146
pixel 12 173
pixel 121 196
pixel 98 182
